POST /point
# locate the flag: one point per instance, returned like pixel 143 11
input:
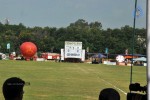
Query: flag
pixel 138 12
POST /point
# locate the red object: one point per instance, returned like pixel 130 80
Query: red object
pixel 50 56
pixel 28 49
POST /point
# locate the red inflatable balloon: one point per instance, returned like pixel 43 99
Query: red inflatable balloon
pixel 28 49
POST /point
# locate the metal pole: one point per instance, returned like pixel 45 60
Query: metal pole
pixel 133 34
pixel 148 48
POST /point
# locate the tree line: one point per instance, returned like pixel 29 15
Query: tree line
pixel 92 36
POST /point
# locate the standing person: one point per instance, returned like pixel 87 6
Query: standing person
pixel 109 94
pixel 13 88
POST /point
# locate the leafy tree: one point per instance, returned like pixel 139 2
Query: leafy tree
pixel 51 39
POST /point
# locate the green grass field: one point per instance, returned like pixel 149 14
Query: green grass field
pixel 69 81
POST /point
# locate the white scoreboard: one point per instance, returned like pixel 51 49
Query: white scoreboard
pixel 73 49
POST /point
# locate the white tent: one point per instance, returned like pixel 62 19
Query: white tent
pixel 140 59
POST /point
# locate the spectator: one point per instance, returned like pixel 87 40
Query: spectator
pixel 13 88
pixel 109 94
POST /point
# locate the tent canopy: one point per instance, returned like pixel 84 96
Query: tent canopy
pixel 99 55
pixel 140 59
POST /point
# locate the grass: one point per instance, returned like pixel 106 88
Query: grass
pixel 69 81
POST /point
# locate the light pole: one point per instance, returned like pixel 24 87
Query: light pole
pixel 148 48
pixel 133 34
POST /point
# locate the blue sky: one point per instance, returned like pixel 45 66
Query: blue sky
pixel 60 13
